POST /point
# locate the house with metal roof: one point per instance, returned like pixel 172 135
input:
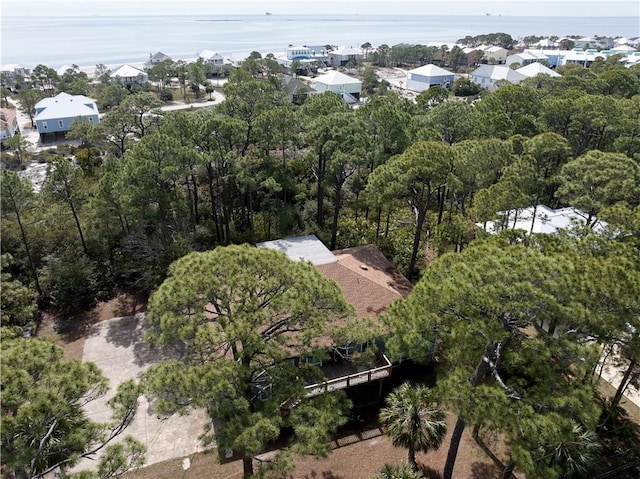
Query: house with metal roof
pixel 157 58
pixel 495 54
pixel 525 58
pixel 536 68
pixel 343 55
pixel 348 87
pixel 212 58
pixel 487 75
pixel 129 75
pixel 424 77
pixel 57 114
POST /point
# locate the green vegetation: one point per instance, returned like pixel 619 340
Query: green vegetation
pixel 154 201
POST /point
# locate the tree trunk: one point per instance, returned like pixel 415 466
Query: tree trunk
pixel 32 266
pixel 412 458
pixel 626 380
pixel 422 214
pixel 214 212
pixel 75 218
pixel 508 470
pixel 322 164
pixel 337 204
pixel 196 212
pixel 247 467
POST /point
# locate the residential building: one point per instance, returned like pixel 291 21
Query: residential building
pixel 534 69
pixel 424 77
pixel 545 43
pixel 8 123
pixel 11 72
pixel 525 58
pixel 157 58
pixel 474 55
pixel 584 58
pixel 487 75
pixel 57 114
pixel 129 75
pixel 212 58
pixel 545 220
pixel 495 55
pixel 593 43
pixel 370 283
pixel 348 87
pixel 296 90
pixel 343 55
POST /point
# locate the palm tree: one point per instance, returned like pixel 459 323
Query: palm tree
pixel 400 471
pixel 569 447
pixel 413 421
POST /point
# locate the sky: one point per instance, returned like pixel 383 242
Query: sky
pixel 314 7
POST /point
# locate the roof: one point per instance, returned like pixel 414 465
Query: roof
pixel 10 117
pixel 546 221
pixel 431 71
pixel 209 55
pixel 64 105
pixel 127 71
pixel 498 72
pixel 545 42
pixel 294 86
pixel 302 248
pixel 494 49
pixel 537 68
pixel 343 51
pixel 334 77
pixel 623 48
pixel 159 56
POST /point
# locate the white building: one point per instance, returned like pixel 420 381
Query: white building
pixel 546 220
pixel 349 88
pixel 212 58
pixel 128 75
pixel 534 69
pixel 495 54
pixel 487 75
pixel 525 58
pixel 424 77
pixel 343 55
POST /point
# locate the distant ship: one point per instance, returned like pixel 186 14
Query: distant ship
pixel 268 14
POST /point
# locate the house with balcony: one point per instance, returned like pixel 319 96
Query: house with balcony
pixel 212 58
pixel 156 59
pixel 344 55
pixel 56 115
pixel 534 69
pixel 347 87
pixel 8 124
pixel 424 77
pixel 525 58
pixel 370 283
pixel 128 75
pixel 495 55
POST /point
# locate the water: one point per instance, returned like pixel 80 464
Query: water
pixel 57 41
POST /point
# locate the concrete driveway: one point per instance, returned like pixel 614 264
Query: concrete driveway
pixel 117 347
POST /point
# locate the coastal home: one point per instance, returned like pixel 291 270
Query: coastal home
pixel 212 58
pixel 343 55
pixel 296 90
pixel 495 55
pixel 535 69
pixel 474 55
pixel 370 283
pixel 424 77
pixel 631 60
pixel 8 123
pixel 157 58
pixel 623 49
pixel 487 75
pixel 57 114
pixel 13 73
pixel 525 58
pixel 584 58
pixel 347 87
pixel 540 219
pixel 545 43
pixel 306 59
pixel 587 43
pixel 128 75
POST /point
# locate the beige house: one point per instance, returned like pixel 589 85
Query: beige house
pixel 8 123
pixel 495 55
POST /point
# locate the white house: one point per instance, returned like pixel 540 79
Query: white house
pixel 128 75
pixel 546 220
pixel 349 88
pixel 211 58
pixel 495 54
pixel 534 69
pixel 422 78
pixel 57 114
pixel 546 43
pixel 487 75
pixel 623 49
pixel 343 55
pixel 582 58
pixel 525 58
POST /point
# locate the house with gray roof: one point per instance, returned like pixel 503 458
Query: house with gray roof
pixel 157 58
pixel 57 114
pixel 211 58
pixel 487 75
pixel 424 77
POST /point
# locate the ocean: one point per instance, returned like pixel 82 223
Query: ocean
pixel 87 41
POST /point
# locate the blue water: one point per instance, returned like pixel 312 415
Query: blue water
pixel 56 41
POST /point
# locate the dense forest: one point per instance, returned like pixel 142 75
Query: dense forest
pixel 145 188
